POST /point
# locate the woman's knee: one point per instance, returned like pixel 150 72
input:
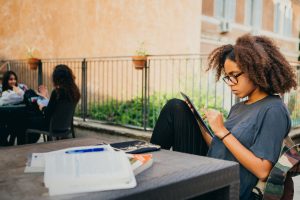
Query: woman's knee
pixel 176 104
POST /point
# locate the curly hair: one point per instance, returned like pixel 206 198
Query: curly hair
pixel 261 59
pixel 6 77
pixel 64 80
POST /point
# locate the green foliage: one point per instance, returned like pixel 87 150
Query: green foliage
pixel 292 103
pixel 141 51
pixel 294 109
pixel 131 112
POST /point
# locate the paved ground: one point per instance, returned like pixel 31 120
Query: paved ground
pixel 116 138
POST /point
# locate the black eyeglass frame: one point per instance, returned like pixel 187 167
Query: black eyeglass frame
pixel 227 79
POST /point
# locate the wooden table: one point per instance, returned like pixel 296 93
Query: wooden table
pixel 173 176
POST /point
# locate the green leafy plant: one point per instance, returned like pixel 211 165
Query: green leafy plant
pixel 131 112
pixel 30 52
pixel 141 51
pixel 294 108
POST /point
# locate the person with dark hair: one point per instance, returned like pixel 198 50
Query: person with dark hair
pixel 253 133
pixel 12 91
pixel 3 69
pixel 65 89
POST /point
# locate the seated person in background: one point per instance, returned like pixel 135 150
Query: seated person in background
pixel 1 77
pixel 65 89
pixel 12 92
pixel 3 69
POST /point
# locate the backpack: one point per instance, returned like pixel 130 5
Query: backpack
pixel 30 100
pixel 33 112
pixel 279 184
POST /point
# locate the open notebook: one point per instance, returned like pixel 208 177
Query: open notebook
pixel 83 169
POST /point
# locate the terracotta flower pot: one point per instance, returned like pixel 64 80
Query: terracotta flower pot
pixel 139 62
pixel 33 63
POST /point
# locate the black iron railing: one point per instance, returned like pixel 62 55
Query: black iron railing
pixel 113 91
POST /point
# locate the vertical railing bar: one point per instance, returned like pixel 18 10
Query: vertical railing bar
pixel 95 86
pixel 223 95
pixel 112 84
pixel 186 74
pixel 98 83
pixel 207 88
pixel 84 92
pixel 215 87
pixel 122 70
pixel 172 67
pixel 117 83
pixel 125 79
pixel 193 78
pixel 200 81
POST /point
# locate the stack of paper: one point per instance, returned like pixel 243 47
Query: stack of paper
pixel 35 163
pixel 84 169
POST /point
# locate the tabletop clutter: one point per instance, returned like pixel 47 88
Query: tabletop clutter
pixel 91 168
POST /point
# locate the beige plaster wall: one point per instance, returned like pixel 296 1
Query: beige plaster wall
pixel 93 28
pixel 296 18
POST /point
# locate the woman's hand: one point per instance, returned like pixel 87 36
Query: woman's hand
pixel 41 107
pixel 43 91
pixel 16 89
pixel 215 120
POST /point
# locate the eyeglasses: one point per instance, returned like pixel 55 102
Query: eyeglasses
pixel 232 79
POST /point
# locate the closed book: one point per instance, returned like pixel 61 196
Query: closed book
pixel 140 162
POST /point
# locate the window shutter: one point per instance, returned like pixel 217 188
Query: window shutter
pixel 257 14
pixel 230 10
pixel 277 14
pixel 248 11
pixel 219 8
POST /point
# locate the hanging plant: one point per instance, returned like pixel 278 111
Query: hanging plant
pixel 32 61
pixel 140 59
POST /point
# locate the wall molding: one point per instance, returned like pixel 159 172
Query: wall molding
pixel 246 28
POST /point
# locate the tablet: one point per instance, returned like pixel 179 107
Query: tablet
pixel 197 115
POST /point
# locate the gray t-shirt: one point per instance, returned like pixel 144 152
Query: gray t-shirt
pixel 261 128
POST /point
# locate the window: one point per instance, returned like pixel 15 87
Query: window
pixel 253 13
pixel 283 16
pixel 287 22
pixel 277 17
pixel 225 9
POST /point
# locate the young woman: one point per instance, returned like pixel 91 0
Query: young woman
pixel 12 92
pixel 255 128
pixel 65 90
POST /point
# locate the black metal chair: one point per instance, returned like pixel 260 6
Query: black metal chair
pixel 61 123
pixel 10 115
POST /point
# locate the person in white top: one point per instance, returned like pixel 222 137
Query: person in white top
pixel 12 92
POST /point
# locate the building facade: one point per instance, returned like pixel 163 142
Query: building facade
pixel 222 21
pixel 79 28
pixel 97 28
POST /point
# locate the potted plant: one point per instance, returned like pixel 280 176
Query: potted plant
pixel 140 59
pixel 32 61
